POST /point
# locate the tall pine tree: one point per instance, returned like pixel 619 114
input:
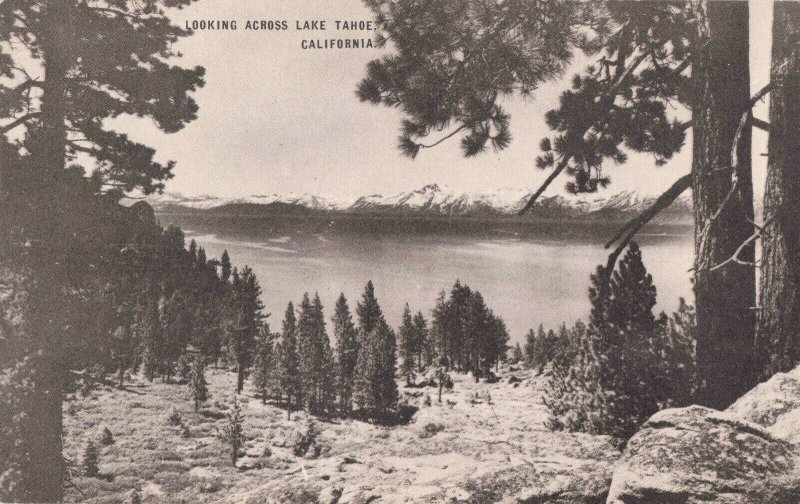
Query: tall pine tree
pixel 408 346
pixel 288 368
pixel 347 347
pixel 247 316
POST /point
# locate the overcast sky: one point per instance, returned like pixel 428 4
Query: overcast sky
pixel 277 118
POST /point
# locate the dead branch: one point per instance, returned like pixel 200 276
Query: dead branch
pixel 737 138
pixel 735 257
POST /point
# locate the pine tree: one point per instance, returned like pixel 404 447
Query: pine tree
pixel 368 310
pixel 288 371
pixel 423 341
pixel 530 346
pixel 314 357
pixel 233 431
pixel 517 355
pixel 408 345
pixel 346 352
pixel 440 335
pixel 197 382
pixel 264 364
pixel 175 317
pixel 123 352
pixel 193 249
pixel 375 389
pixel 778 332
pixel 247 317
pixel 91 458
pixel 627 364
pixel 148 329
pixel 225 262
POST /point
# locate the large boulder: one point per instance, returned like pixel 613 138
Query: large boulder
pixel 699 455
pixel 770 402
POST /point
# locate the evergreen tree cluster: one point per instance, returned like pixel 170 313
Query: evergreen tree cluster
pixel 466 333
pixel 300 368
pixel 609 377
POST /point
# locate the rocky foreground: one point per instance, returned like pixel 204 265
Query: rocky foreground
pixel 748 454
pixel 485 443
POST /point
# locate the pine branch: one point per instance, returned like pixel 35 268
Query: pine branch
pixel 21 120
pixel 556 172
pixel 450 135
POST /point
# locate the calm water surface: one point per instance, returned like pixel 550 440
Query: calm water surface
pixel 526 280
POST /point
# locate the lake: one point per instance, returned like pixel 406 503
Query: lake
pixel 528 278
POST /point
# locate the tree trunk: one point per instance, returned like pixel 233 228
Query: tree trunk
pixel 778 334
pixel 240 379
pixel 723 203
pixel 43 473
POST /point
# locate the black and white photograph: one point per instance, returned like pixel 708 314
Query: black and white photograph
pixel 400 251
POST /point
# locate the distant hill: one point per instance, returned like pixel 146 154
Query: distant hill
pixel 433 200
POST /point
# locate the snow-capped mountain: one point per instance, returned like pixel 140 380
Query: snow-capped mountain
pixel 434 199
pixel 171 200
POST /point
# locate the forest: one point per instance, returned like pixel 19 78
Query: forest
pixel 92 290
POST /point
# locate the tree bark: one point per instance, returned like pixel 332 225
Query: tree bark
pixel 723 203
pixel 43 475
pixel 778 333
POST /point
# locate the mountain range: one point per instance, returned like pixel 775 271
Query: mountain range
pixel 433 200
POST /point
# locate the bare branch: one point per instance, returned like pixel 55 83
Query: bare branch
pixel 735 257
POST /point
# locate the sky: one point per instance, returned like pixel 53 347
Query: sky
pixel 275 118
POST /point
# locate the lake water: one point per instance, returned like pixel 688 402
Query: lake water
pixel 526 279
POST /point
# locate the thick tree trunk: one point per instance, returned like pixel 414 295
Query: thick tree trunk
pixel 43 475
pixel 778 334
pixel 723 203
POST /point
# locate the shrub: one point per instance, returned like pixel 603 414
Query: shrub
pixel 174 419
pixel 106 438
pixel 90 460
pixel 431 429
pixel 305 440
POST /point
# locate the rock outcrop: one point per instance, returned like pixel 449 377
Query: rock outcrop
pixel 748 454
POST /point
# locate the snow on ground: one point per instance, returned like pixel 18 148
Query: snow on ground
pixel 461 451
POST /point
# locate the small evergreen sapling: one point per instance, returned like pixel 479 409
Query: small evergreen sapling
pixel 106 438
pixel 90 460
pixel 233 432
pixel 197 383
